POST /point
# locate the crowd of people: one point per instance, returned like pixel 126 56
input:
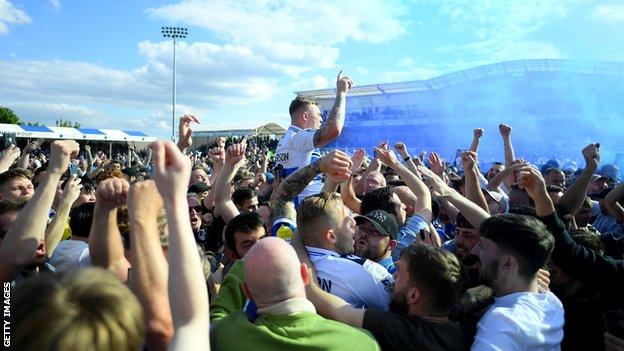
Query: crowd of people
pixel 254 245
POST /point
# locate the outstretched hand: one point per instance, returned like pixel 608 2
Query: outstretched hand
pixel 185 132
pixel 356 160
pixel 437 164
pixel 387 156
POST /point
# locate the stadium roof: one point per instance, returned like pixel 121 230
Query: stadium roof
pixel 25 131
pixel 237 129
pixel 609 68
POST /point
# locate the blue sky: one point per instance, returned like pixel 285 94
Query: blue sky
pixel 105 64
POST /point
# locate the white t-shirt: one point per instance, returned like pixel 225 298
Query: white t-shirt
pixel 296 149
pixel 70 254
pixel 521 321
pixel 361 282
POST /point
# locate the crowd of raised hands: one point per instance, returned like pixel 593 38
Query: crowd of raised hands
pixel 158 258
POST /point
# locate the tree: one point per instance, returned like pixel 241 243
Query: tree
pixel 68 124
pixel 7 116
pixel 34 124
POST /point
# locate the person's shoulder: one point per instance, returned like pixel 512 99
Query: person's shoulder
pixel 362 339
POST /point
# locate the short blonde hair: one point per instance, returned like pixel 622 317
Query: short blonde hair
pixel 317 213
pixel 88 310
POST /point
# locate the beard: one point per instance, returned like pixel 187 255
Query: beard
pixel 367 252
pixel 344 246
pixel 489 273
pixel 398 304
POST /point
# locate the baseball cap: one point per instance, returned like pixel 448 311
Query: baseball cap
pixel 596 177
pixel 383 221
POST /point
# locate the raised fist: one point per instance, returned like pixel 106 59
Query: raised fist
pixel 504 129
pixel 478 133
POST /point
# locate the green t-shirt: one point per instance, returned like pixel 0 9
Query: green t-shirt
pixel 298 331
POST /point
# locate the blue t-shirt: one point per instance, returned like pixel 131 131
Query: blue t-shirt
pixel 407 234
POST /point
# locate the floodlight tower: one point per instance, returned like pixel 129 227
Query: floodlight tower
pixel 174 33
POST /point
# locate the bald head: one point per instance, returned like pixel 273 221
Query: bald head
pixel 374 180
pixel 273 272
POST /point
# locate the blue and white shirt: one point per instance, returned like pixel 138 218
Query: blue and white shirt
pixel 407 234
pixel 296 149
pixel 361 282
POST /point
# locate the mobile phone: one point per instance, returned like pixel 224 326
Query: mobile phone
pixel 73 168
pixel 8 139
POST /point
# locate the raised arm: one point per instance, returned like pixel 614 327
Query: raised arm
pixel 54 231
pixel 574 259
pixel 185 133
pixel 611 203
pixel 401 149
pixel 24 159
pixel 347 193
pixel 89 158
pixel 506 175
pixel 188 294
pixel 105 246
pixel 422 206
pixel 473 213
pixel 477 134
pixel 217 156
pixel 505 132
pixel 574 196
pixel 234 159
pixel 334 165
pixel 472 187
pixel 20 244
pixel 129 156
pixel 150 272
pixel 335 121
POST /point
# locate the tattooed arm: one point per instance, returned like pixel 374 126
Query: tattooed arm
pixel 283 202
pixel 333 127
pixel 335 165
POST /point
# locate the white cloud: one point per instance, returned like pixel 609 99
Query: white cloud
pixel 48 112
pixel 502 30
pixel 296 33
pixel 310 83
pixel 406 62
pixel 11 15
pixel 56 5
pixel 610 12
pixel 361 70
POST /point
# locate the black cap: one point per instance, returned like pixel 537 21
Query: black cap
pixel 198 188
pixel 383 221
